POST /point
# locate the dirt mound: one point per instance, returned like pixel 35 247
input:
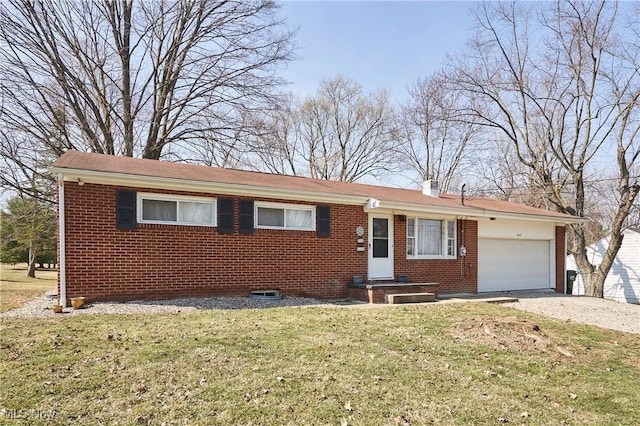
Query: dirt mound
pixel 508 333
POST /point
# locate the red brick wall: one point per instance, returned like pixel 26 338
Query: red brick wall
pixel 454 275
pixel 561 254
pixel 163 261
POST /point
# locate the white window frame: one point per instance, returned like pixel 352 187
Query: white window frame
pixel 285 207
pixel 177 199
pixel 444 235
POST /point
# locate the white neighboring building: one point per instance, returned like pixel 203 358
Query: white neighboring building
pixel 623 282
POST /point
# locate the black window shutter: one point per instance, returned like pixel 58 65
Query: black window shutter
pixel 323 222
pixel 125 209
pixel 226 212
pixel 245 217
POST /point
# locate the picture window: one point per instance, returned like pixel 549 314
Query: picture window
pixel 431 238
pixel 156 208
pixel 285 216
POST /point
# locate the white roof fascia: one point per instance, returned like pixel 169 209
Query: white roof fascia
pixel 473 212
pixel 535 218
pixel 369 204
pixel 409 209
pixel 153 182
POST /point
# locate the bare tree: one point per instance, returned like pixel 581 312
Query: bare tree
pixel 437 143
pixel 633 220
pixel 501 176
pixel 561 83
pixel 341 133
pixel 504 177
pixel 276 139
pixel 223 146
pixel 133 78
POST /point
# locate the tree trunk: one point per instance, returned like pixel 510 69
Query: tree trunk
pixel 593 283
pixel 31 270
pixel 592 276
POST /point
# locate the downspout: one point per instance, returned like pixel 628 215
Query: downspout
pixel 566 239
pixel 61 233
pixel 463 248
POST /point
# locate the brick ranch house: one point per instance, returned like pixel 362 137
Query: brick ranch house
pixel 142 229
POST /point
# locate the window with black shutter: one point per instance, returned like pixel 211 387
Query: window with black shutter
pixel 226 213
pixel 323 225
pixel 125 209
pixel 245 216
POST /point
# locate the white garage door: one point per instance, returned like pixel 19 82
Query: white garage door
pixel 513 264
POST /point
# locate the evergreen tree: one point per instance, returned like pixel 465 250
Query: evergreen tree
pixel 28 233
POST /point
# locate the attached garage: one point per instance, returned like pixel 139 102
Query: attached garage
pixel 513 264
pixel 514 255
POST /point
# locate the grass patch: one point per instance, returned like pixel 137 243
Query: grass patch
pixel 402 365
pixel 16 288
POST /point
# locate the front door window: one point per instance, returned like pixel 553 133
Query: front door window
pixel 380 237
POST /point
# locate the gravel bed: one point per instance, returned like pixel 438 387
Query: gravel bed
pixel 603 313
pixel 41 307
pixel 588 310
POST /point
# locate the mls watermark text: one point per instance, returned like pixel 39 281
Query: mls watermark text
pixel 24 413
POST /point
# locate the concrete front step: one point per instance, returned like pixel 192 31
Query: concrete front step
pixel 377 292
pixel 398 298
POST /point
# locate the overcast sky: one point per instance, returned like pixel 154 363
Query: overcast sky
pixel 378 44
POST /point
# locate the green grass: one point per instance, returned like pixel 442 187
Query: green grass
pixel 16 288
pixel 450 364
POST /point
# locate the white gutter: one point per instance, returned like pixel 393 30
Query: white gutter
pixel 368 203
pixel 132 180
pixel 411 208
pixel 472 212
pixel 61 233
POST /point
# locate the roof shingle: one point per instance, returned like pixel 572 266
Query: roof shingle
pixel 75 160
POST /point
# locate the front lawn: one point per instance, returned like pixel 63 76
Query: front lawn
pixel 16 288
pixel 448 364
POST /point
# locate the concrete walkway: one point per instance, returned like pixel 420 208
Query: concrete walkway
pixel 467 297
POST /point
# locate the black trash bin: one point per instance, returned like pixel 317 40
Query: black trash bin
pixel 571 277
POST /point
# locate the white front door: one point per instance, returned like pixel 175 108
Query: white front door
pixel 380 247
